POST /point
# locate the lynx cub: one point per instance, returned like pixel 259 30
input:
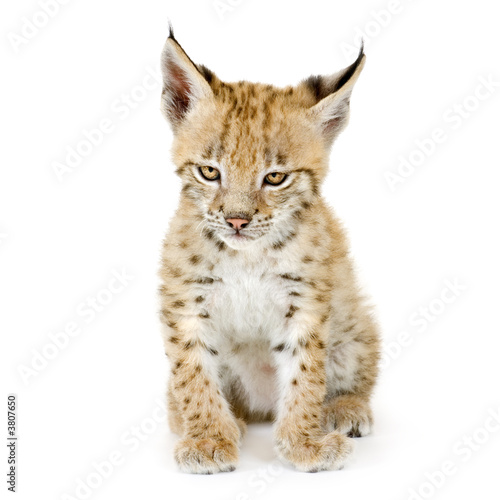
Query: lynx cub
pixel 262 314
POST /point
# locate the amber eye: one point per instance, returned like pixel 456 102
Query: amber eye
pixel 210 173
pixel 274 178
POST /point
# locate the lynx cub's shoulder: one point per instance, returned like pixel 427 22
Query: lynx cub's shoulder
pixel 262 315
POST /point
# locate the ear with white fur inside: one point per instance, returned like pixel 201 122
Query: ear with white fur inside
pixel 183 83
pixel 333 93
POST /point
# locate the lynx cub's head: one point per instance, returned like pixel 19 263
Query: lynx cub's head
pixel 251 156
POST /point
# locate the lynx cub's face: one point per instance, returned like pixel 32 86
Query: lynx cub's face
pixel 251 156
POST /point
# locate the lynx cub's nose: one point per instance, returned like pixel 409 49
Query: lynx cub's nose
pixel 237 223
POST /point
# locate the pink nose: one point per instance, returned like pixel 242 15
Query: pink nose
pixel 237 223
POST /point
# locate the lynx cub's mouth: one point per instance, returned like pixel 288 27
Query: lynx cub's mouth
pixel 262 315
pixel 238 240
pixel 237 235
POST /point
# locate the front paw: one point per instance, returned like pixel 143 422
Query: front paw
pixel 206 456
pixel 327 452
pixel 348 415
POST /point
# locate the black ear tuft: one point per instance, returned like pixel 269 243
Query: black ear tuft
pixel 323 86
pixel 350 70
pixel 171 31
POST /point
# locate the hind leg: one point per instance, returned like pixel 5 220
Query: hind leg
pixel 348 414
pixel 351 378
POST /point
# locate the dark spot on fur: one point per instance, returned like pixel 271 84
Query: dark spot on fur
pixel 188 345
pixel 279 347
pixel 194 259
pixel 304 343
pixel 220 245
pixel 281 159
pixel 175 272
pixel 291 311
pixel 203 280
pixel 291 277
pixel 209 234
pixel 186 189
pixel 281 243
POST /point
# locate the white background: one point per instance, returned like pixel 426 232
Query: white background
pixel 61 240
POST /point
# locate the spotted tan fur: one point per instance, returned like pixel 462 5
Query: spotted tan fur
pixel 266 322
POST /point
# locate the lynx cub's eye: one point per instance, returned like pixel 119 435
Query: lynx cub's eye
pixel 210 173
pixel 274 178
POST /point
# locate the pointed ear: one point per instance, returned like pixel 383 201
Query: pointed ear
pixel 184 83
pixel 332 95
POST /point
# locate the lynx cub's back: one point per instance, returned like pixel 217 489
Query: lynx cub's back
pixel 262 315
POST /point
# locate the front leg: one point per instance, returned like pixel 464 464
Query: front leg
pixel 299 435
pixel 210 433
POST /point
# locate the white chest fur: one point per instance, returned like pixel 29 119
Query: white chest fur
pixel 247 307
pixel 249 302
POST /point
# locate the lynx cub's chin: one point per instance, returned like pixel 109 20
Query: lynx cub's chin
pixel 263 319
